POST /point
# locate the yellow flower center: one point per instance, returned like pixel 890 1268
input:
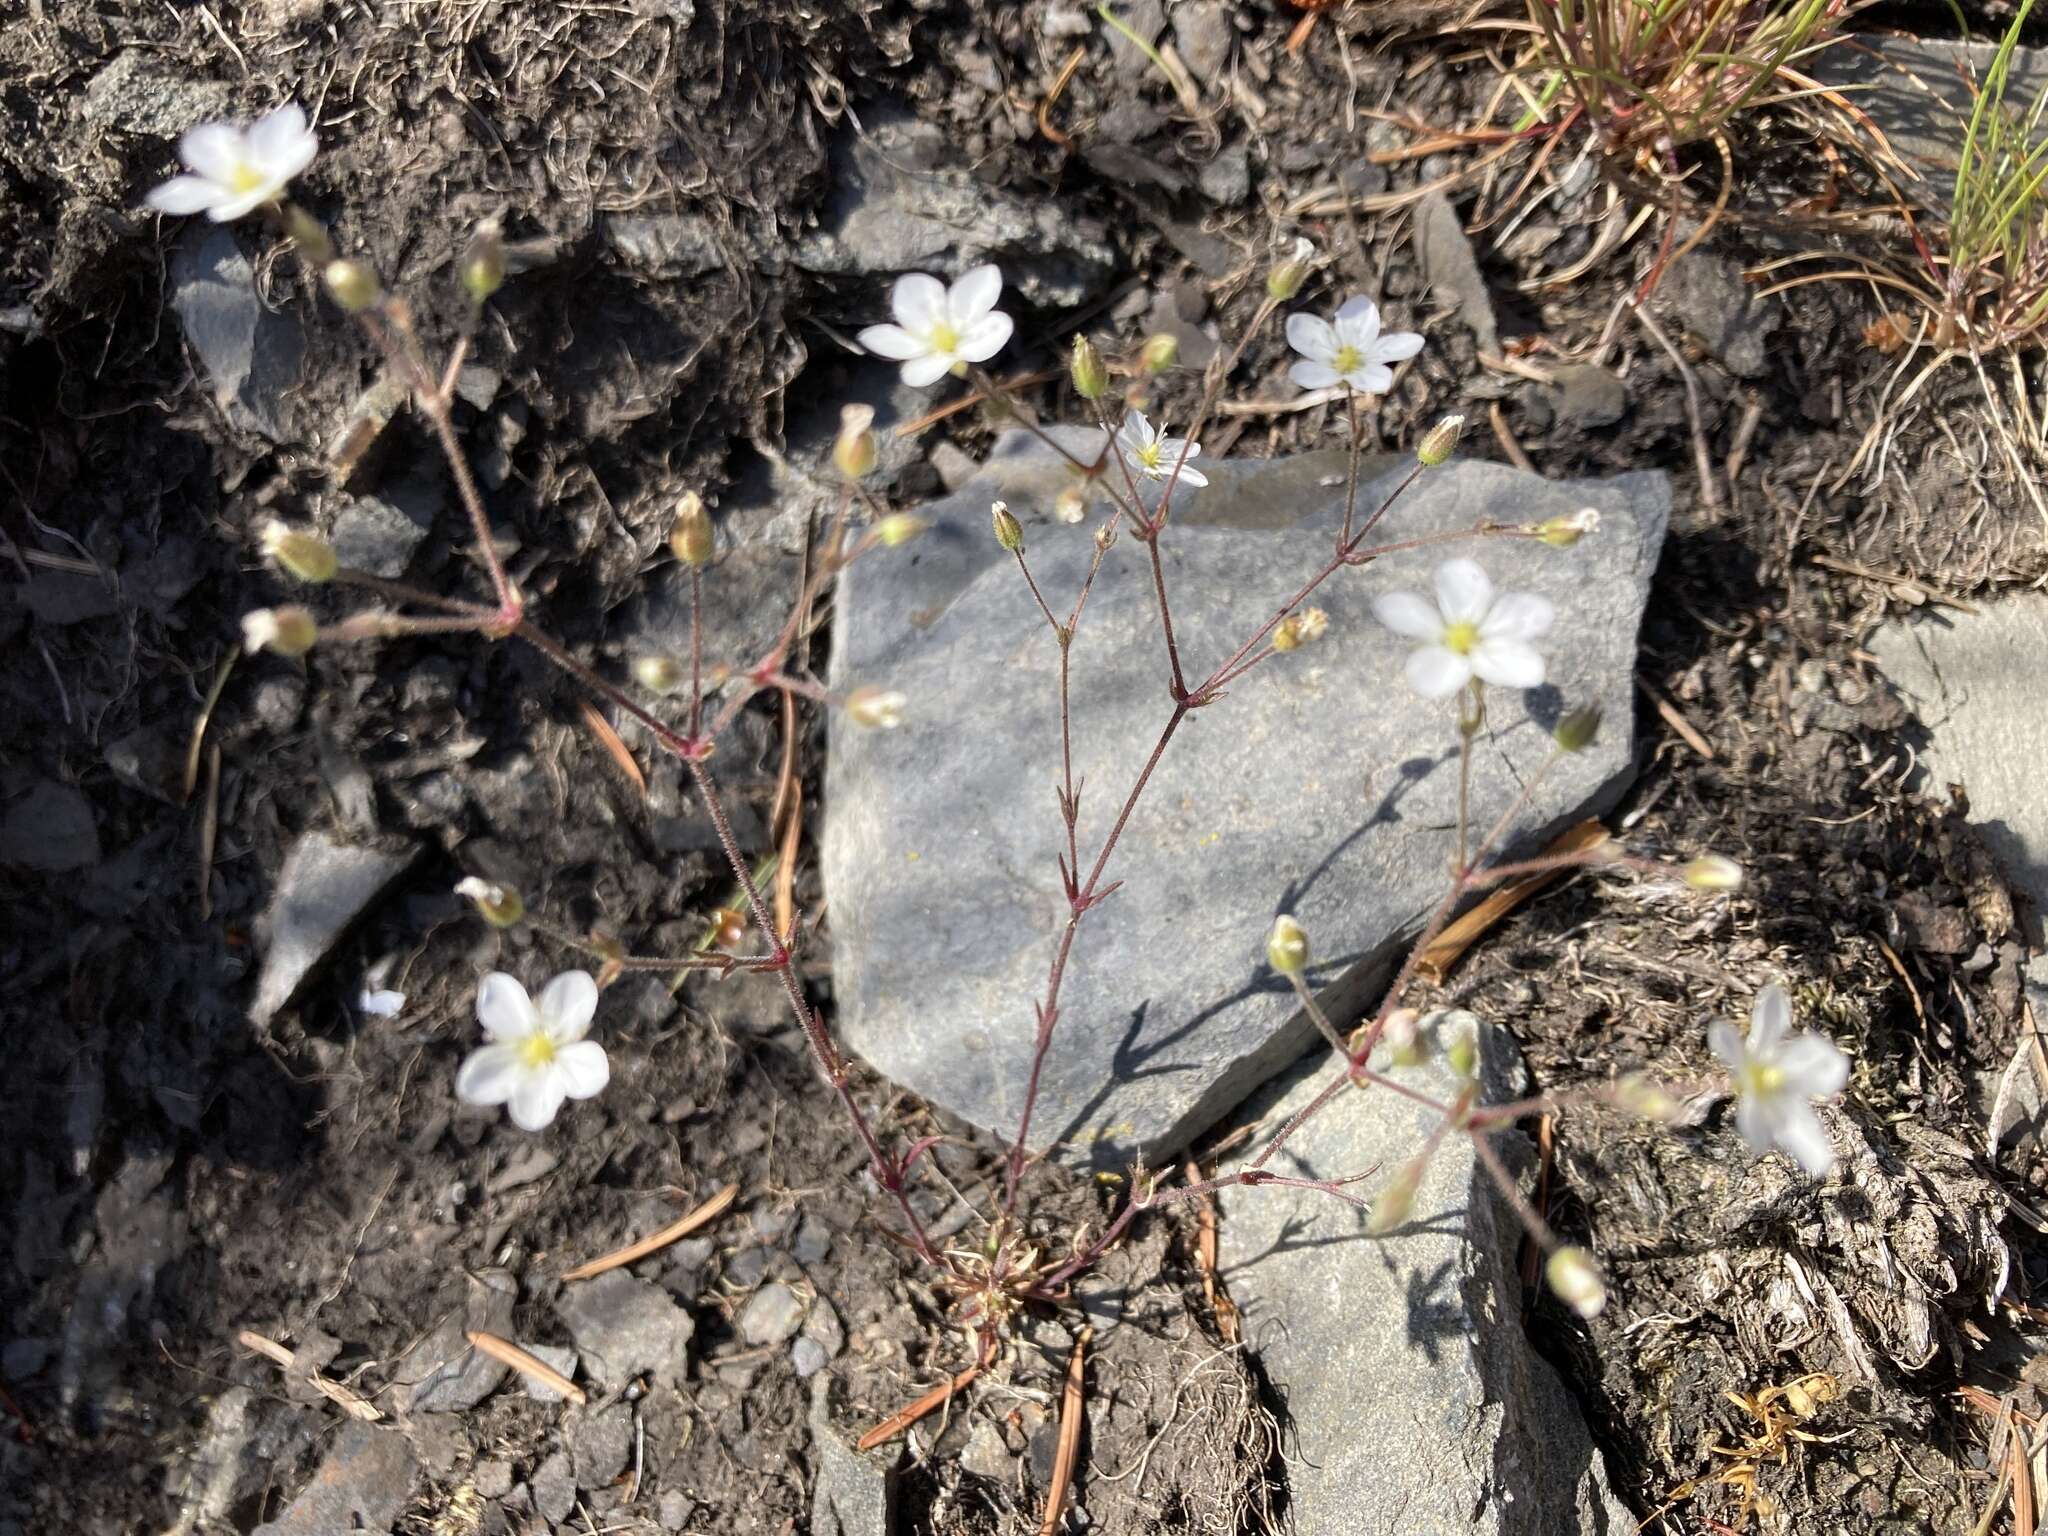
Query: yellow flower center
pixel 1149 455
pixel 246 177
pixel 536 1051
pixel 944 338
pixel 1347 360
pixel 1461 637
pixel 1760 1079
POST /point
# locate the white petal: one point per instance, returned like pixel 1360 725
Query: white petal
pixel 1311 336
pixel 1463 593
pixel 1757 1118
pixel 279 142
pixel 248 202
pixel 567 1005
pixel 1518 616
pixel 1358 317
pixel 918 301
pixel 213 150
pixel 1813 1065
pixel 1396 347
pixel 490 1075
pixel 1313 375
pixel 983 338
pixel 974 294
pixel 1137 431
pixel 1436 672
pixel 1370 379
pixel 384 1004
pixel 1508 663
pixel 1410 614
pixel 928 369
pixel 892 341
pixel 537 1099
pixel 504 1009
pixel 184 194
pixel 1801 1134
pixel 1189 475
pixel 1725 1040
pixel 583 1068
pixel 1770 1021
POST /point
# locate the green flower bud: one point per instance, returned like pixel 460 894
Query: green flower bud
pixel 1160 352
pixel 1564 532
pixel 308 234
pixel 899 528
pixel 305 555
pixel 499 905
pixel 1575 1280
pixel 1397 1201
pixel 1440 441
pixel 856 452
pixel 875 708
pixel 657 674
pixel 1711 872
pixel 1009 532
pixel 351 285
pixel 483 263
pixel 289 631
pixel 1286 278
pixel 692 537
pixel 1576 731
pixel 1287 946
pixel 1089 373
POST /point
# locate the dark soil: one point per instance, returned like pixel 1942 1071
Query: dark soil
pixel 176 1173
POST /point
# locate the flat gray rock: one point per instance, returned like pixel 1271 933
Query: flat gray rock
pixel 323 888
pixel 363 1484
pixel 1974 680
pixel 1414 1400
pixel 625 1327
pixel 1320 786
pixel 50 830
pixel 250 353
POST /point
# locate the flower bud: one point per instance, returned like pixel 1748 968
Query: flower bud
pixel 1297 629
pixel 1461 1053
pixel 499 905
pixel 899 528
pixel 1160 352
pixel 1397 1201
pixel 1440 441
pixel 1575 1280
pixel 1711 872
pixel 308 234
pixel 1287 946
pixel 856 452
pixel 289 631
pixel 1286 278
pixel 657 674
pixel 1089 373
pixel 692 537
pixel 1070 506
pixel 1105 536
pixel 307 556
pixel 1009 532
pixel 483 263
pixel 1575 732
pixel 351 285
pixel 1406 1046
pixel 1564 532
pixel 876 709
pixel 1638 1095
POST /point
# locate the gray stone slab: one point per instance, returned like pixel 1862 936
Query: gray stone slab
pixel 1974 681
pixel 1319 786
pixel 249 352
pixel 363 1484
pixel 322 889
pixel 1415 1403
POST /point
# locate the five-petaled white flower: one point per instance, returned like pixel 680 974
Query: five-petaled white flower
pixel 235 170
pixel 1153 455
pixel 1468 632
pixel 938 328
pixel 1349 351
pixel 1776 1075
pixel 537 1056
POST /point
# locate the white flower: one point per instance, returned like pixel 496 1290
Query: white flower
pixel 537 1056
pixel 381 1004
pixel 236 170
pixel 1468 632
pixel 1153 455
pixel 1351 351
pixel 1776 1075
pixel 938 327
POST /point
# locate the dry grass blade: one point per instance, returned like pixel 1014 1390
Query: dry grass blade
pixel 1444 951
pixel 903 1418
pixel 350 1403
pixel 1670 714
pixel 508 1353
pixel 220 682
pixel 710 1210
pixel 608 738
pixel 1220 1305
pixel 1072 1410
